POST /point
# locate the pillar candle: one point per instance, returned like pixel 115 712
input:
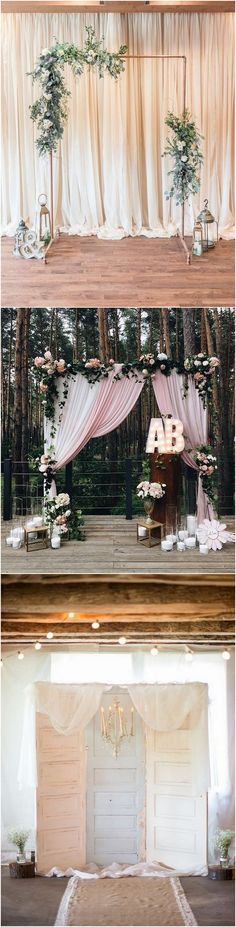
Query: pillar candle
pixel 182 535
pixel 56 541
pixel 180 545
pixel 167 545
pixel 191 524
pixel 190 542
pixel 204 549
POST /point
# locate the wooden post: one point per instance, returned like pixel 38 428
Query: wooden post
pixel 69 479
pixel 128 490
pixel 7 490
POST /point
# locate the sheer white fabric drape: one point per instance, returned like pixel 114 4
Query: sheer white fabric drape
pixel 71 707
pixel 109 175
pixel 90 410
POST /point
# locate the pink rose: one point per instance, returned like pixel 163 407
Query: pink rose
pixel 44 459
pixel 162 367
pixel 214 362
pixel 198 376
pixel 43 468
pixel 210 470
pixel 38 361
pixel 111 361
pixel 61 365
pixel 48 355
pixel 43 387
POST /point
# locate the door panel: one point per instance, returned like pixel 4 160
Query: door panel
pixel 115 791
pixel 60 798
pixel 176 818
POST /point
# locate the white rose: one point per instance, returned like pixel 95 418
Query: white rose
pixel 45 51
pixel 162 357
pixel 205 364
pixel 68 513
pixel 184 158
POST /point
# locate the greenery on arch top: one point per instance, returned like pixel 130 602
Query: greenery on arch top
pixel 50 110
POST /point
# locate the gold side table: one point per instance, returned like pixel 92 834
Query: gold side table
pixel 39 539
pixel 154 532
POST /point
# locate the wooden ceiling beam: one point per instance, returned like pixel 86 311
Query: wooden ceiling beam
pixel 15 629
pixel 117 6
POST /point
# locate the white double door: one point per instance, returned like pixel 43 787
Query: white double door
pixel 95 808
pixel 115 790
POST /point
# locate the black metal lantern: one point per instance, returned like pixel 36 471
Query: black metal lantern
pixel 20 234
pixel 207 219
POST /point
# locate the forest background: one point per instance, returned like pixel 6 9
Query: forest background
pixel 123 334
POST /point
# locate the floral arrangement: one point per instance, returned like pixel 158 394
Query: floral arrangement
pixel 57 512
pixel 223 839
pixel 46 465
pixel 184 148
pixel 214 534
pixel 147 490
pixel 207 464
pixel 201 366
pixel 19 839
pixel 60 517
pixel 50 111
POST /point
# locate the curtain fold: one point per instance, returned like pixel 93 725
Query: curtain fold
pixel 109 176
pixel 71 707
pixel 169 393
pixel 90 410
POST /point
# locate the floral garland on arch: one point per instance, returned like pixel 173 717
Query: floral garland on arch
pixel 50 111
pixel 49 371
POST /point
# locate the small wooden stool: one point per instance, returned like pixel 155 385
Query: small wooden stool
pixel 153 531
pixel 22 870
pixel 40 541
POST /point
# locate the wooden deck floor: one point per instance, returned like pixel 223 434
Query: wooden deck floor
pixel 110 546
pixel 87 272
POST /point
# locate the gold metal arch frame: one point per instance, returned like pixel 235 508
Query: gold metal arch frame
pixel 180 231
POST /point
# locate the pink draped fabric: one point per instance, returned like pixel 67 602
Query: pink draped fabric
pixel 169 392
pixel 91 411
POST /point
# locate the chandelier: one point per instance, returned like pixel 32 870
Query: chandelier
pixel 114 726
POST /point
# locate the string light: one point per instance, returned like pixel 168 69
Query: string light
pixel 20 655
pixel 49 635
pixel 154 651
pixel 38 645
pixel 226 655
pixel 71 615
pixel 122 641
pixel 95 625
pixel 189 656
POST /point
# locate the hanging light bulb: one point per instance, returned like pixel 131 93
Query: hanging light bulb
pixel 226 655
pixel 95 625
pixel 189 656
pixel 49 635
pixel 122 641
pixel 71 615
pixel 154 651
pixel 38 645
pixel 20 655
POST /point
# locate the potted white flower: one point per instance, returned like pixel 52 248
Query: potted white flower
pixel 223 839
pixel 19 839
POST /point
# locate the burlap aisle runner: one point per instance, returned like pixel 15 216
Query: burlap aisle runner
pixel 142 902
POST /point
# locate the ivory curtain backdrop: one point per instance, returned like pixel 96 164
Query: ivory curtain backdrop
pixel 109 175
pixel 169 392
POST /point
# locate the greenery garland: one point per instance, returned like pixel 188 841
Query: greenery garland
pixel 50 110
pixel 49 372
pixel 184 148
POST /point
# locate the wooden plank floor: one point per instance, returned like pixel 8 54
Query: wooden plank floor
pixel 87 272
pixel 111 547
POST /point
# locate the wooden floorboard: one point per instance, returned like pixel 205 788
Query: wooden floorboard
pixel 110 546
pixel 133 272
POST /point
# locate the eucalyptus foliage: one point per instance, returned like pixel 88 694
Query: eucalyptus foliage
pixel 184 148
pixel 50 110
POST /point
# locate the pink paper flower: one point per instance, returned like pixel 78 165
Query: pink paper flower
pixel 214 533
